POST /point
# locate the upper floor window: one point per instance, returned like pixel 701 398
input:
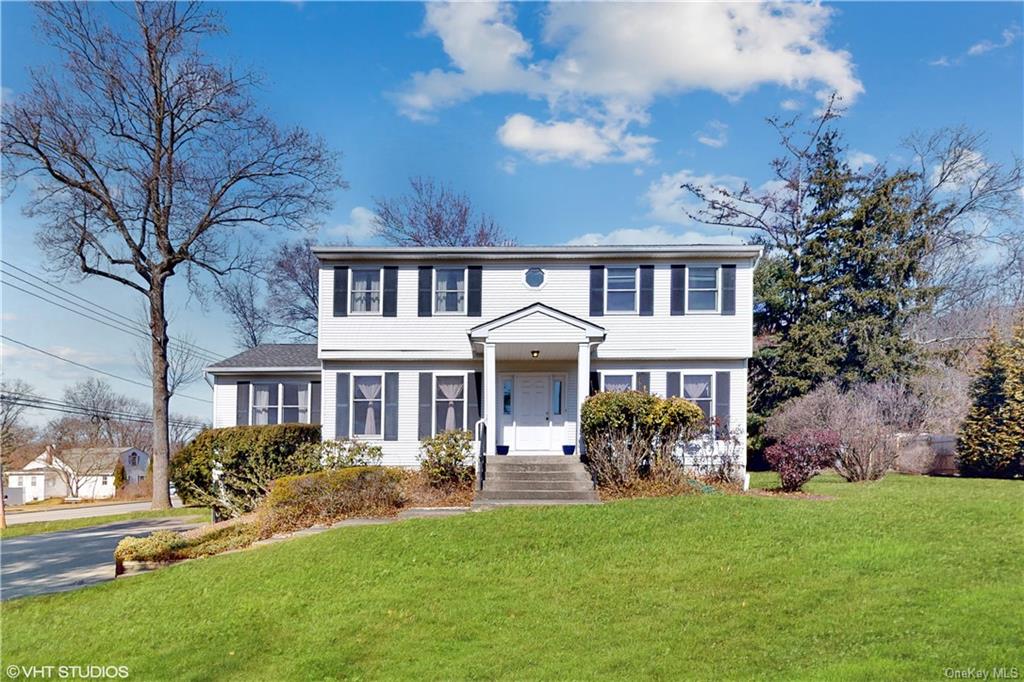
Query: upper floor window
pixel 133 459
pixel 450 290
pixel 702 289
pixel 534 277
pixel 367 417
pixel 365 297
pixel 621 289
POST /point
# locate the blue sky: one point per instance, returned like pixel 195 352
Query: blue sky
pixel 564 122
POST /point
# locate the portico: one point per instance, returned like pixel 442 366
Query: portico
pixel 536 376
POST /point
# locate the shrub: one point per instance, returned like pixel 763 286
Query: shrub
pixel 326 496
pixel 991 438
pixel 444 459
pixel 867 418
pixel 231 469
pixel 632 435
pixel 165 545
pixel 120 477
pixel 341 453
pixel 802 455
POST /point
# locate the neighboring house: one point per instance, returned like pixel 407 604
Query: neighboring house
pixel 86 473
pixel 505 342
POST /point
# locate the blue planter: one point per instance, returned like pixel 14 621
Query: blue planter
pixel 502 449
pixel 569 449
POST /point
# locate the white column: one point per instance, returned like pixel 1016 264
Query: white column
pixel 490 397
pixel 582 389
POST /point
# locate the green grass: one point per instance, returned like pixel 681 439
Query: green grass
pixel 22 529
pixel 898 579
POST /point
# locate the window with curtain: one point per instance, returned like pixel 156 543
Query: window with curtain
pixel 295 406
pixel 556 396
pixel 367 416
pixel 449 403
pixel 365 297
pixel 506 396
pixel 697 388
pixel 618 382
pixel 621 289
pixel 264 404
pixel 702 288
pixel 450 290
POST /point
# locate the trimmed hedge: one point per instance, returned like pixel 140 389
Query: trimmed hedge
pixel 250 458
pixel 327 496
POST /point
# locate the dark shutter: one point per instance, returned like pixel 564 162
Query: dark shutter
pixel 341 405
pixel 390 305
pixel 646 289
pixel 595 382
pixel 678 303
pixel 728 289
pixel 425 293
pixel 242 403
pixel 474 282
pixel 340 291
pixel 722 405
pixel 391 406
pixel 596 290
pixel 314 402
pixel 643 382
pixel 473 395
pixel 426 404
pixel 672 385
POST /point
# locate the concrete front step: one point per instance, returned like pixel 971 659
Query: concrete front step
pixel 532 459
pixel 493 485
pixel 527 476
pixel 528 495
pixel 532 468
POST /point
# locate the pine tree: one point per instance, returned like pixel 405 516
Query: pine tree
pixel 991 439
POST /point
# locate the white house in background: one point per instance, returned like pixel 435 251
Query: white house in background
pixel 89 470
pixel 505 342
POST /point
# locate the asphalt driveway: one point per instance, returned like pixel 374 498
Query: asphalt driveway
pixel 68 559
pixel 81 512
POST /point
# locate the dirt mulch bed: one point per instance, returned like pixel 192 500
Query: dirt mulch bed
pixel 419 493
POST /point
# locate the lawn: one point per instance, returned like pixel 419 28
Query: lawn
pixel 18 530
pixel 900 579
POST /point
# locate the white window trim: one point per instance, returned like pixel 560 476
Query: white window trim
pixel 280 401
pixel 465 290
pixel 512 397
pixel 718 290
pixel 351 291
pixel 526 285
pixel 465 400
pixel 636 290
pixel 620 373
pixel 352 405
pixel 711 389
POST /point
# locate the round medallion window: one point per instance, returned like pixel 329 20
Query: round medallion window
pixel 534 277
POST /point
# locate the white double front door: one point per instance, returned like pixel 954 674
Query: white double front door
pixel 535 416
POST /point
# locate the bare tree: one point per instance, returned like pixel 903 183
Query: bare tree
pixel 249 322
pixel 293 285
pixel 185 362
pixel 14 432
pixel 434 214
pixel 150 160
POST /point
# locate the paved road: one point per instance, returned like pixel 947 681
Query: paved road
pixel 82 512
pixel 54 562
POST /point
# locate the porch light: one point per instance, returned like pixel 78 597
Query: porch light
pixel 535 353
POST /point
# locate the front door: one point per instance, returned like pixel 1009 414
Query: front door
pixel 532 412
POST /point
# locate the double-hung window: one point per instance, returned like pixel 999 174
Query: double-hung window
pixel 449 403
pixel 450 290
pixel 702 289
pixel 285 402
pixel 264 404
pixel 621 289
pixel 367 415
pixel 365 296
pixel 697 389
pixel 295 403
pixel 617 382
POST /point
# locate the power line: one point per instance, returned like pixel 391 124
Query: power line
pixel 30 400
pixel 134 326
pixel 93 369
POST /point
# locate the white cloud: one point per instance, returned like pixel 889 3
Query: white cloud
pixel 611 60
pixel 941 61
pixel 715 134
pixel 1009 37
pixel 966 167
pixel 656 234
pixel 859 160
pixel 508 165
pixel 578 141
pixel 790 104
pixel 359 229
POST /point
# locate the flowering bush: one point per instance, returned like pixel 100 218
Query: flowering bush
pixel 801 455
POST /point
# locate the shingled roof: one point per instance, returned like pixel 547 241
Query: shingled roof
pixel 272 356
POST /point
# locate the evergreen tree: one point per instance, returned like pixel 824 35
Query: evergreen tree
pixel 991 439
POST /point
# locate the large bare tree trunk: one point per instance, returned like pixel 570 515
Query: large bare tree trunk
pixel 161 397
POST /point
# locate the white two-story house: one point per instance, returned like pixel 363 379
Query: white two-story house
pixel 505 342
